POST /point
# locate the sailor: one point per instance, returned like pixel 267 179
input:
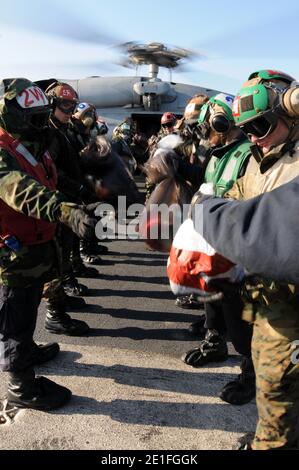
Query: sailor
pixel 228 160
pixel 266 109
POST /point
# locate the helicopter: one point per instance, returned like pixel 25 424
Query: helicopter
pixel 143 99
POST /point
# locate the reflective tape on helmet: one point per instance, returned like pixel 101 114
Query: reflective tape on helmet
pixel 32 97
pixel 83 106
pixel 225 101
pixel 190 108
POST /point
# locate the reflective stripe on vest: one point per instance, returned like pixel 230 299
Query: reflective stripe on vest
pixel 27 229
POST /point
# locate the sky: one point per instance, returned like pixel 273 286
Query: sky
pixel 69 39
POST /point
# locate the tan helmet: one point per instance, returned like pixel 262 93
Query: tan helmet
pixel 193 108
pixel 63 97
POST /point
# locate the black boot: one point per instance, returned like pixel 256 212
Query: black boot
pixel 73 303
pixel 212 349
pixel 91 258
pixel 80 270
pixel 198 327
pixel 60 323
pixel 72 287
pixel 244 442
pixel 92 248
pixel 189 302
pixel 242 390
pixel 42 353
pixel 27 391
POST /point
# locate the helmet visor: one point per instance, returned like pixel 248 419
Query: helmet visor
pixel 262 126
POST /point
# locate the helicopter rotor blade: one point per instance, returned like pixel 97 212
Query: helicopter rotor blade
pixel 57 21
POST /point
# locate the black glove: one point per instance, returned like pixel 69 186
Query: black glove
pixel 222 290
pixel 228 289
pixel 86 195
pixel 78 220
pixel 91 208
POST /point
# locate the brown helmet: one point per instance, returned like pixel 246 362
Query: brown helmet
pixel 193 108
pixel 63 96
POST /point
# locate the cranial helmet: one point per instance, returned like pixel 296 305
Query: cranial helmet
pixel 276 95
pixel 125 130
pixel 24 107
pixel 168 118
pixel 63 97
pixel 193 108
pixel 216 115
pixel 102 127
pixel 262 101
pixel 168 121
pixel 86 113
pixel 262 76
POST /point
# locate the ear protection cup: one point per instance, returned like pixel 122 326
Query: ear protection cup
pixel 220 123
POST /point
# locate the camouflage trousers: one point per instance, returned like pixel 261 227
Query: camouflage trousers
pixel 277 381
pixel 53 290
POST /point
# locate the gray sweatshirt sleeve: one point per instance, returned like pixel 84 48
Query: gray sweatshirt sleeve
pixel 261 234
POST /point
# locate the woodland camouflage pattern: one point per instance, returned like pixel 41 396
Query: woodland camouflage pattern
pixel 277 382
pixel 274 309
pixel 24 194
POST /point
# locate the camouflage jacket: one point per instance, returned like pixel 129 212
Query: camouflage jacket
pixel 64 150
pixel 24 194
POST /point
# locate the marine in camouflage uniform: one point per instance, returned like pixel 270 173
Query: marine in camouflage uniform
pixel 30 206
pixel 64 152
pixel 130 144
pixel 272 306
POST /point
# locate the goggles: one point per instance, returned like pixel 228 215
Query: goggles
pixel 67 107
pixel 262 126
pixel 168 125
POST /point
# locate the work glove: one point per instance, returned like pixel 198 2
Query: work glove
pixel 228 289
pixel 205 192
pixel 222 290
pixel 86 195
pixel 78 220
pixel 94 209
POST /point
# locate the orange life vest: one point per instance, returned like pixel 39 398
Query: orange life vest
pixel 28 230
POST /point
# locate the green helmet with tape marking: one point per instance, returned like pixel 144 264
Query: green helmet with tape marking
pixel 216 115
